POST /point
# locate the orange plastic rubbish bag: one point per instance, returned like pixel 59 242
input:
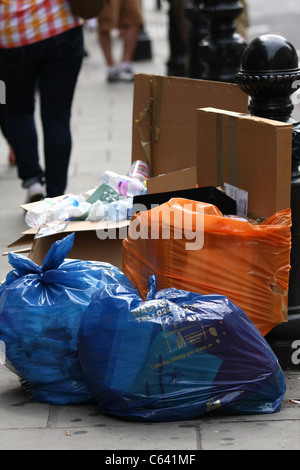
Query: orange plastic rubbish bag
pixel 191 246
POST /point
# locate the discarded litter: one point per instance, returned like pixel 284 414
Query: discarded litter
pixel 196 248
pixel 111 201
pixel 40 312
pixel 178 355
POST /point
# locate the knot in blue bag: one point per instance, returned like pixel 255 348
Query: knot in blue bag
pixel 177 355
pixel 40 312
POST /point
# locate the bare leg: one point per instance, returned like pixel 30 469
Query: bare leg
pixel 130 36
pixel 106 45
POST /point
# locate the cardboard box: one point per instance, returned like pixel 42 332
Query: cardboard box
pixel 95 241
pixel 248 152
pixel 176 180
pixel 164 128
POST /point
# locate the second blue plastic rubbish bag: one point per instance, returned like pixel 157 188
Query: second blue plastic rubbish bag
pixel 40 312
pixel 178 355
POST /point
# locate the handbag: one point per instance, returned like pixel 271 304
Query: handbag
pixel 87 9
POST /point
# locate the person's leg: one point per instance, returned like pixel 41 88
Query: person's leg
pixel 105 43
pixel 57 81
pixel 19 70
pixel 131 20
pixel 107 21
pixel 129 34
pixel 2 120
pixel 11 155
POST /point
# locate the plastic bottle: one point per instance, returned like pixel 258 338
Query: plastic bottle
pixel 124 185
pixel 98 211
pixel 79 211
pixel 130 187
pixel 38 214
pixel 60 210
pixel 119 210
pixel 110 178
pixel 139 170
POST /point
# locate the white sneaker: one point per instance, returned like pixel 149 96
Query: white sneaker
pixel 113 74
pixel 35 193
pixel 126 72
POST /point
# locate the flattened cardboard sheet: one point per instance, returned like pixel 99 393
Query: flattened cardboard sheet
pixel 164 129
pixel 248 152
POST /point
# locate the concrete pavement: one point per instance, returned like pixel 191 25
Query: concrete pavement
pixel 102 140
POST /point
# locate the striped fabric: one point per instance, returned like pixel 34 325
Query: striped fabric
pixel 24 22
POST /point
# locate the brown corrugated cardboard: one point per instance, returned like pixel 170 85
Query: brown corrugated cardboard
pixel 181 179
pixel 95 241
pixel 251 153
pixel 164 130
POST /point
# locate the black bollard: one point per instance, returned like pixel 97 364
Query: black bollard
pixel 222 50
pixel 198 30
pixel 269 74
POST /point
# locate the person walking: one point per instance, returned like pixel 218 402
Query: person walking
pixel 41 52
pixel 125 16
pixel 11 154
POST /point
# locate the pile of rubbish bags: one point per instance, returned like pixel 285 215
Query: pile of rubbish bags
pixel 177 355
pixel 41 308
pixel 78 331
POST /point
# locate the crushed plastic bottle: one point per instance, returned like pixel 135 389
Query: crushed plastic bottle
pixel 60 210
pixel 79 211
pixel 115 211
pixel 124 185
pixel 98 212
pixel 38 214
pixel 119 210
pixel 52 210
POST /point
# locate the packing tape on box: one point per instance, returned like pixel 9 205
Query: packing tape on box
pixel 146 142
pixel 157 108
pixel 233 150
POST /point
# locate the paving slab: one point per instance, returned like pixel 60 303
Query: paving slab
pixel 101 124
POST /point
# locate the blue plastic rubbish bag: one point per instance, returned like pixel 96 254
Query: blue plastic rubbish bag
pixel 178 355
pixel 40 312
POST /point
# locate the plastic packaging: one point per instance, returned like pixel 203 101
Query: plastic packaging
pixel 52 209
pixel 131 187
pixel 77 212
pixel 104 193
pixel 40 312
pixel 98 212
pixel 140 170
pixel 177 355
pixel 248 263
pixel 119 210
pixel 114 212
pixel 124 185
pixel 38 214
pixel 60 211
